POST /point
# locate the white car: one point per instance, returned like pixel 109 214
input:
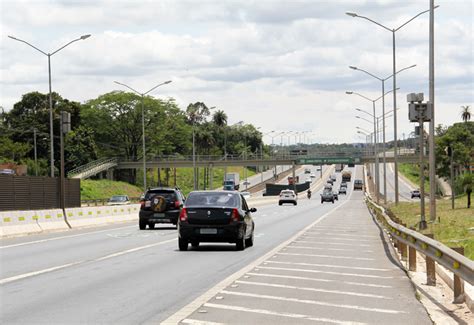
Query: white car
pixel 288 196
pixel 312 175
pixel 119 200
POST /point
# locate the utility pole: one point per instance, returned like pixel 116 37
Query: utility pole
pixel 431 142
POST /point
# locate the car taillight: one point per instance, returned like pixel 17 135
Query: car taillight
pixel 235 216
pixel 142 204
pixel 183 216
pixel 176 204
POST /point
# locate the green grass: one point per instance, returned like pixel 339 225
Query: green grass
pixel 453 228
pixel 412 172
pixel 104 189
pixel 184 178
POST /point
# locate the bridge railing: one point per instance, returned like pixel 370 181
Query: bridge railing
pixel 91 165
pixel 434 251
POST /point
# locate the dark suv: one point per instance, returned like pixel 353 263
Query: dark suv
pixel 160 205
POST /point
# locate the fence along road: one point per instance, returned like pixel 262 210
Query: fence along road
pixel 337 270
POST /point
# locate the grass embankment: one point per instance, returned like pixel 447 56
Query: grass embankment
pixel 412 172
pixel 103 189
pixel 455 229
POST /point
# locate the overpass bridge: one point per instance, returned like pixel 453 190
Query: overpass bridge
pixel 174 161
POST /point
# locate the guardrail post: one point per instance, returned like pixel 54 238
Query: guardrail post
pixel 411 258
pixel 403 248
pixel 458 282
pixel 430 268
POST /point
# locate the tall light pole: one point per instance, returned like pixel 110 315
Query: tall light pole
pixel 383 120
pixel 51 134
pixel 143 122
pixel 431 142
pixel 394 70
pixel 377 176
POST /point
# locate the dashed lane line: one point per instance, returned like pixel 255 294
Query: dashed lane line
pixel 199 322
pixel 272 313
pixel 64 237
pixel 284 286
pixel 51 269
pixel 313 302
pixel 330 256
pixel 318 280
pixel 326 272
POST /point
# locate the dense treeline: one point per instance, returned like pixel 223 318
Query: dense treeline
pixel 111 126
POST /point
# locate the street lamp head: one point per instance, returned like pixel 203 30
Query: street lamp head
pixel 83 37
pixel 358 109
pixel 167 82
pixel 352 67
pixel 13 37
pixel 352 14
pixel 349 92
pixel 357 116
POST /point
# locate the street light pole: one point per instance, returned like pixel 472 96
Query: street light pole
pixel 51 133
pixel 142 95
pixel 394 68
pixel 36 157
pixel 383 121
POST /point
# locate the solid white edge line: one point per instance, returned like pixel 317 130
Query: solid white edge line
pixel 51 269
pixel 199 301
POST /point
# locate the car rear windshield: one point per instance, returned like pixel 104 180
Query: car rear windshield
pixel 212 199
pixel 169 195
pixel 118 199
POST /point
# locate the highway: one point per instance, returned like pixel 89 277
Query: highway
pixel 119 274
pixel 403 187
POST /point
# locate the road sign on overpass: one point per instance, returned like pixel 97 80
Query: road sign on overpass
pixel 326 161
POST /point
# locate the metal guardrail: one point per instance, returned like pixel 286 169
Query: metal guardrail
pixel 443 255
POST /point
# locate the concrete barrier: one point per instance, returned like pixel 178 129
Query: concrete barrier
pixel 93 216
pixel 51 220
pixel 30 222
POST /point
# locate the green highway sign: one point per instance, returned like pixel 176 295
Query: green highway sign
pixel 327 161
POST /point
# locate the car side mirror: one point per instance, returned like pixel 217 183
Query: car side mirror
pixel 253 210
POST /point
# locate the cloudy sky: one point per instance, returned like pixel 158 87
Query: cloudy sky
pixel 280 65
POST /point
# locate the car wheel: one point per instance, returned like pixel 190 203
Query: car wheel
pixel 183 244
pixel 142 225
pixel 332 201
pixel 195 244
pixel 249 241
pixel 279 203
pixel 240 244
pixel 295 203
pixel 322 201
pixel 151 225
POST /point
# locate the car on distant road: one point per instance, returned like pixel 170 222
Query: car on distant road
pixel 118 200
pixel 288 196
pixel 330 181
pixel 312 175
pixel 333 177
pixel 216 216
pixel 7 171
pixel 160 205
pixel 328 187
pixel 336 195
pixel 344 184
pixel 327 196
pixel 415 193
pixel 358 184
pixel 307 171
pixel 343 190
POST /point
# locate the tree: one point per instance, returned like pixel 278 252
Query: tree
pixel 465 113
pixel 219 118
pixel 197 113
pixel 468 184
pixel 80 147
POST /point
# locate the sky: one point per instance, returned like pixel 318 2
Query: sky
pixel 279 65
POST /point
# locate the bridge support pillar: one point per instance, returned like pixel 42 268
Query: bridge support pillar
pixel 110 174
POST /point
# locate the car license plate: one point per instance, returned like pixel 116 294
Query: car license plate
pixel 208 231
pixel 158 215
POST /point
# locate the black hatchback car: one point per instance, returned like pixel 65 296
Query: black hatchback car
pixel 216 216
pixel 160 205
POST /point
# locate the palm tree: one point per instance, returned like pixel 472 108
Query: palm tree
pixel 219 118
pixel 465 113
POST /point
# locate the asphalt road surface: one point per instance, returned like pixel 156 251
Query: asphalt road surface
pixel 404 188
pixel 119 274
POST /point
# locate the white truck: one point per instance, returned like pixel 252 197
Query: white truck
pixel 231 182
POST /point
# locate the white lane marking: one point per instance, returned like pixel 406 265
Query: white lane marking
pixel 318 280
pixel 330 256
pixel 199 322
pixel 339 234
pixel 272 313
pixel 315 302
pixel 331 243
pixel 328 249
pixel 51 269
pixel 334 266
pixel 65 237
pixel 284 286
pixel 199 301
pixel 326 272
pixel 343 239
